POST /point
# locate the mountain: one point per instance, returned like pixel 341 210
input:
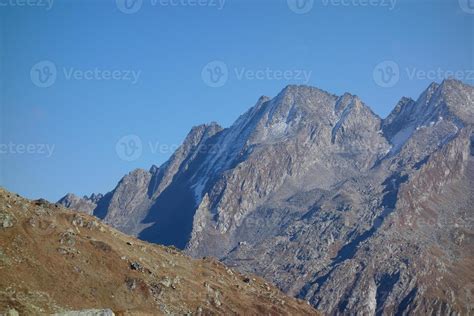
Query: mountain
pixel 86 204
pixel 54 260
pixel 319 195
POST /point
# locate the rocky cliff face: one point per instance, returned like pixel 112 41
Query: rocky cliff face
pixel 321 196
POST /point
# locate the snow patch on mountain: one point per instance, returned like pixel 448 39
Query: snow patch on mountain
pixel 343 117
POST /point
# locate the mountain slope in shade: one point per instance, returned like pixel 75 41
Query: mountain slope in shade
pixel 55 260
pixel 308 189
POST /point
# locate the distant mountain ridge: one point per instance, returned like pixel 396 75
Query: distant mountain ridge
pixel 309 190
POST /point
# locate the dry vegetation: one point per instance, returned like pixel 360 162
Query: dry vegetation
pixel 54 260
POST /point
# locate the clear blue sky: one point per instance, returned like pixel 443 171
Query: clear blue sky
pixel 168 45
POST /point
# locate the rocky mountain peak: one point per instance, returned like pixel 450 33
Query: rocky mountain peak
pixel 85 204
pixel 296 108
pixel 458 98
pixel 68 198
pixel 263 99
pixel 135 175
pixel 403 105
pixel 343 102
pixel 449 102
pixel 198 132
pixel 302 189
pixel 450 84
pixel 302 95
pixel 399 116
pixel 94 197
pixel 154 169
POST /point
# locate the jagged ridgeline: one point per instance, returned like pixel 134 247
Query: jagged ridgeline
pixel 319 195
